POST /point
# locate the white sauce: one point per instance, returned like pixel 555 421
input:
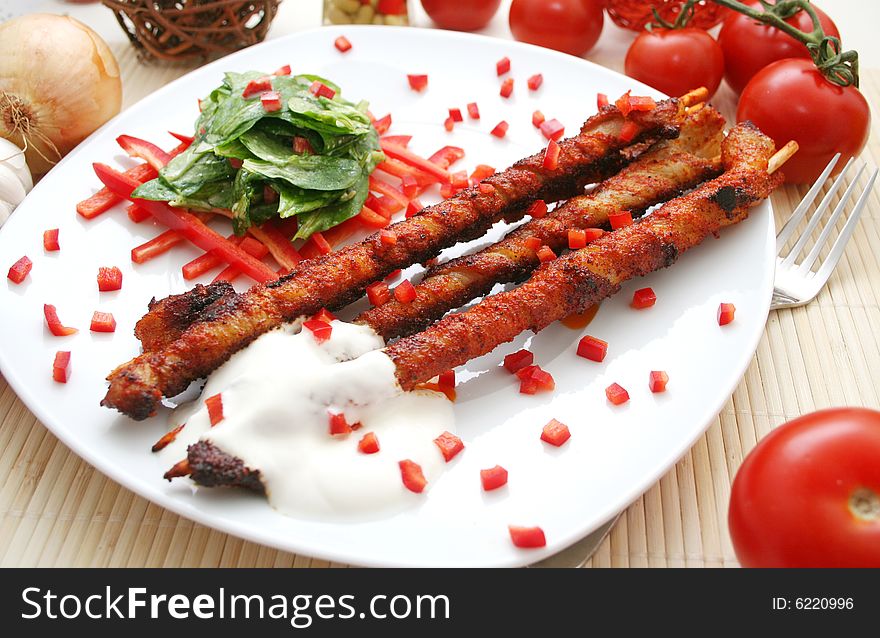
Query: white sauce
pixel 276 396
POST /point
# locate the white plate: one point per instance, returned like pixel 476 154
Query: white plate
pixel 615 453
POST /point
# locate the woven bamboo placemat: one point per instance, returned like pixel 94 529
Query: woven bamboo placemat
pixel 56 510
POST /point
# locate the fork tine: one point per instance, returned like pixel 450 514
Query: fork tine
pixel 807 263
pixel 801 210
pixel 817 217
pixel 837 249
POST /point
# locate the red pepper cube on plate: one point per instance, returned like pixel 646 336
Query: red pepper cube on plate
pixel 368 444
pixel 657 381
pixel 456 115
pixel 61 367
pixel 109 278
pixel 54 323
pixel 321 330
pixel 413 208
pixel 102 322
pixel 621 219
pixel 506 88
pixel 601 101
pixel 577 239
pixel 410 186
pixel 593 234
pixel 50 240
pixel 551 156
pixel 493 478
pixel 412 476
pixel 482 171
pixel 500 129
pixel 535 82
pixel 623 104
pixel 591 348
pixel 616 394
pixel 532 243
pixel 19 270
pixel 545 254
pixel 537 119
pixel 449 444
pixel 555 433
pixel 449 124
pixel 502 66
pixel 378 293
pixel 319 89
pixel 725 313
pixel 538 209
pixel 215 408
pixel 628 131
pixel 446 379
pixel 342 44
pixel 516 361
pixel 405 292
pixel 527 537
pixel 324 315
pixel 255 87
pixel 282 70
pixel 271 101
pixel 473 111
pixel 552 129
pixel 417 82
pixel 533 380
pixel 338 425
pixel 643 298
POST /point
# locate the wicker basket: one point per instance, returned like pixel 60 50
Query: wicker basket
pixel 187 29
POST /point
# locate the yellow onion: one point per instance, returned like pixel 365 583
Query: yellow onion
pixel 59 82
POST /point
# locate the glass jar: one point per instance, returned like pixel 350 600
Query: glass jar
pixel 391 12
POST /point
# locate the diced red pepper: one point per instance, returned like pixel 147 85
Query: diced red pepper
pixel 368 444
pixel 538 209
pixel 319 89
pixel 446 191
pixel 533 379
pixel 641 103
pixel 50 240
pixel 538 119
pixel 446 380
pixel 405 292
pixel 19 270
pixel 301 146
pixel 493 478
pixel 321 330
pixel 324 315
pixel 545 254
pixel 643 298
pixel 577 238
pixel 413 478
pixel 449 124
pixel 616 394
pixel 271 101
pixel 551 156
pixel 61 366
pixel 102 322
pixel 235 163
pixel 725 313
pixel 532 243
pixel 394 274
pixel 137 214
pixel 500 129
pixel 410 186
pixel 593 234
pixel 502 66
pixel 338 425
pixel 657 381
pixel 449 444
pixel 527 537
pixel 601 101
pixel 54 323
pixel 388 237
pixel 555 433
pixel 255 87
pixel 283 70
pixel 417 82
pixel 414 208
pixel 446 157
pixel 473 111
pixel 342 44
pixel 109 278
pixel 321 245
pixel 620 220
pixel 516 361
pixel 623 104
pixel 167 438
pixel 378 293
pixel 592 348
pixel 383 124
pixel 215 408
pixel 460 180
pixel 506 88
pixel 552 129
pixel 482 171
pixel 456 115
pixel 535 82
pixel 628 131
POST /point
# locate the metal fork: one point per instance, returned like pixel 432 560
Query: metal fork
pixel 797 283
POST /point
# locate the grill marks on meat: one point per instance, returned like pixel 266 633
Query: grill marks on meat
pixel 174 314
pixel 657 176
pixel 339 278
pixel 581 278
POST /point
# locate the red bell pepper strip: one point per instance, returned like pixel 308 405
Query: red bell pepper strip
pixel 282 250
pixel 447 156
pixel 384 188
pixel 141 149
pixel 407 157
pixel 203 263
pixel 187 225
pixel 252 247
pixel 401 140
pixel 186 139
pixel 382 124
pixel 159 245
pixel 137 214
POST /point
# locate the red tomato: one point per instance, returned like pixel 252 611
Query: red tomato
pixel 791 100
pixel 676 61
pixel 462 16
pixel 809 494
pixel 749 46
pixel 570 26
pixel 635 14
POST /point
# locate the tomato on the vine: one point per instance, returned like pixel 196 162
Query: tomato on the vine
pixel 792 100
pixel 749 46
pixel 809 494
pixel 636 14
pixel 461 16
pixel 676 60
pixel 570 26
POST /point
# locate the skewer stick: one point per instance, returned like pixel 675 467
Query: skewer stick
pixel 781 157
pixel 693 97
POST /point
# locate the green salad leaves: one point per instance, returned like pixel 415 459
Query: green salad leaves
pixel 243 157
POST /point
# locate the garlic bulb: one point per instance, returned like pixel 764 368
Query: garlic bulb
pixel 15 178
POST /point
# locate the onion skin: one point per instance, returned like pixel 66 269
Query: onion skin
pixel 64 79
